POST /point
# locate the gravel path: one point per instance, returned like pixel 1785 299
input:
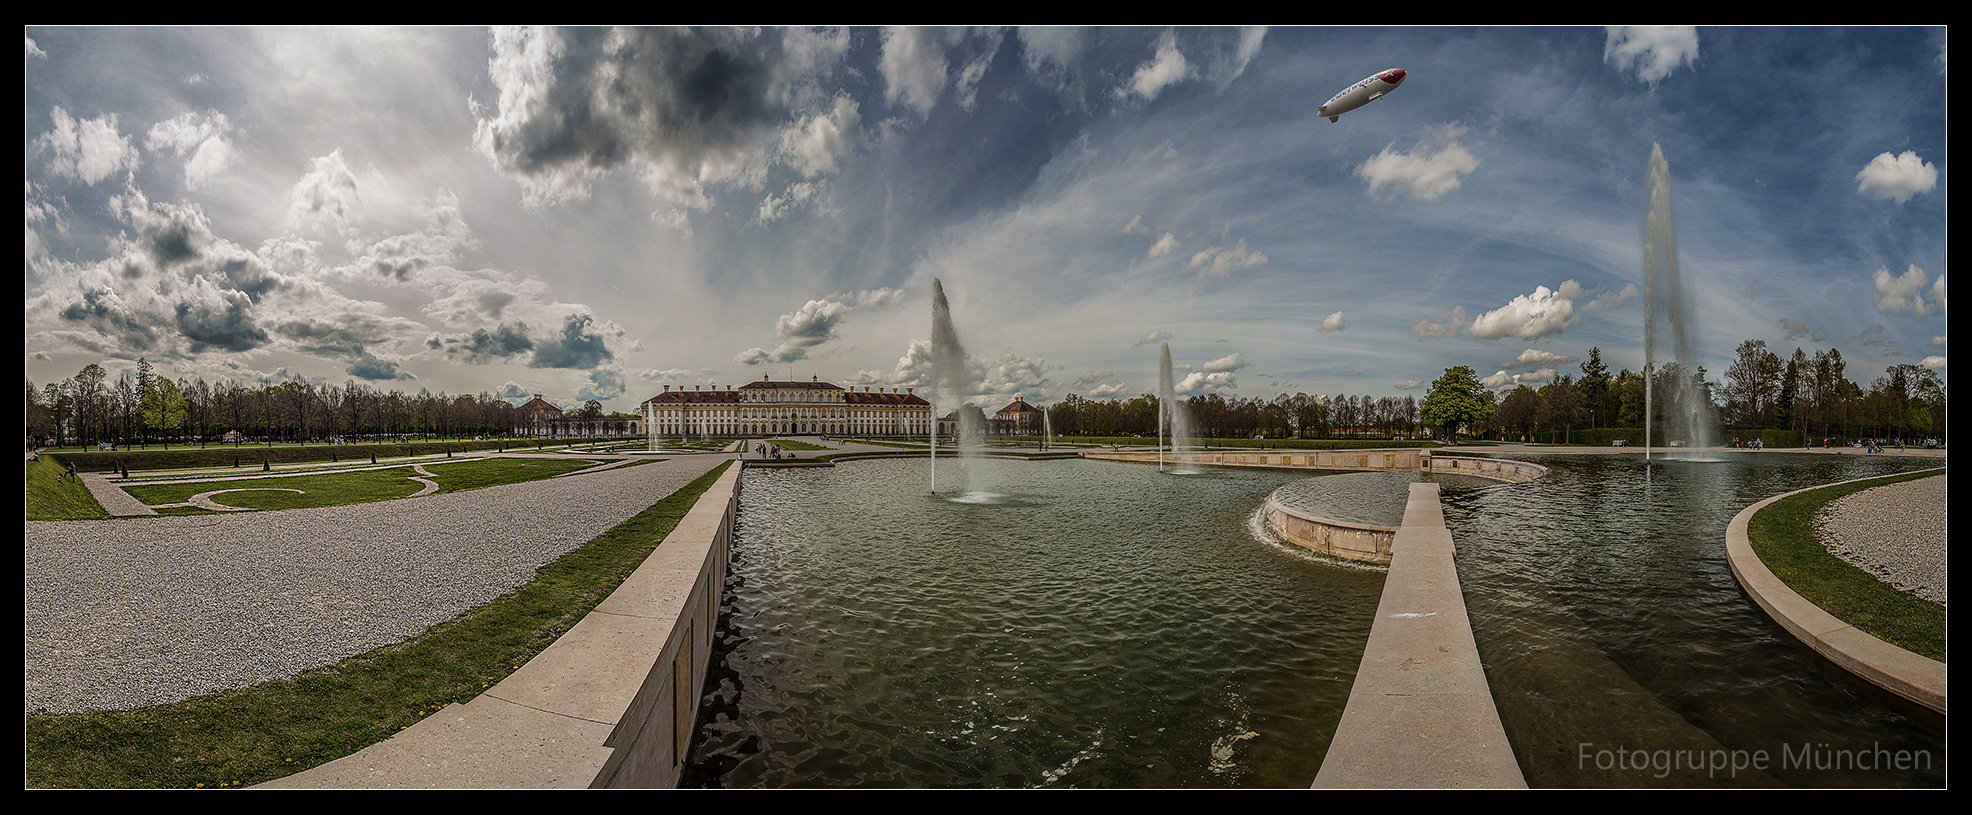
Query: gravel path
pixel 131 612
pixel 1896 532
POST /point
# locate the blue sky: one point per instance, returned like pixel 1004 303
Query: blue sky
pixel 597 213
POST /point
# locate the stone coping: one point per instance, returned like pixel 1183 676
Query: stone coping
pixel 1914 677
pixel 1362 542
pixel 560 720
pixel 1421 714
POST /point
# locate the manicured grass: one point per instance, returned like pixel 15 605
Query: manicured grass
pixel 356 486
pixel 790 444
pixel 278 728
pixel 50 500
pixel 1783 536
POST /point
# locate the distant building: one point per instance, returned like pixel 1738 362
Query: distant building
pixel 537 418
pixel 769 408
pixel 1017 419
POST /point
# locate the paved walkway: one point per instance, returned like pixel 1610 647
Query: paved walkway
pixel 128 612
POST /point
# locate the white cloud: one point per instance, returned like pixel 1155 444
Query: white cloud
pixel 200 139
pixel 1163 244
pixel 1438 329
pixel 325 198
pixel 34 50
pixel 1168 67
pixel 1905 292
pixel 816 144
pixel 913 67
pixel 1529 315
pixel 1609 300
pixel 1934 363
pixel 90 149
pixel 1136 226
pixel 1897 177
pixel 1534 356
pixel 1228 363
pixel 1422 173
pixel 1219 261
pixel 1152 338
pixel 1332 322
pixel 1650 52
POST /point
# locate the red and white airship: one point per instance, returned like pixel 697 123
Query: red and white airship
pixel 1361 93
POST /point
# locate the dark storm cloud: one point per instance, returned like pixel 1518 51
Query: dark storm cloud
pixel 578 347
pixel 575 103
pixel 604 384
pixel 483 346
pixel 371 368
pixel 218 319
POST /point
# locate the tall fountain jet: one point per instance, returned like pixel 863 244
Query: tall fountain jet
pixel 1666 316
pixel 947 370
pixel 1171 415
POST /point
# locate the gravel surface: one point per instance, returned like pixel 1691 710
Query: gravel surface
pixel 131 612
pixel 1896 532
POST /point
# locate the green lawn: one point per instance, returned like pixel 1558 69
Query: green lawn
pixel 50 500
pixel 278 728
pixel 355 486
pixel 1783 536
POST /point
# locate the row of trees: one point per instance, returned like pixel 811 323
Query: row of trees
pixel 90 407
pixel 1217 416
pixel 1808 395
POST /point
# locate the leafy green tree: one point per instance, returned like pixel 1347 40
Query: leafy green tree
pixel 163 407
pixel 1457 399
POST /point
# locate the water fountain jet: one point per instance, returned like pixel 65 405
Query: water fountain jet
pixel 1667 314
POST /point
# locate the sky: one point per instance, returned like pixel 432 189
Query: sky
pixel 599 213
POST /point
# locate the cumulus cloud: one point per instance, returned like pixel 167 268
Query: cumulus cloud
pixel 1529 315
pixel 168 284
pixel 1151 338
pixel 505 341
pixel 1231 362
pixel 1427 172
pixel 913 67
pixel 1897 177
pixel 681 108
pixel 1438 329
pixel 1650 52
pixel 1201 381
pixel 1164 244
pixel 1935 363
pixel 201 139
pixel 1219 261
pixel 1136 226
pixel 1099 385
pixel 1332 322
pixel 1533 357
pixel 89 149
pixel 578 346
pixel 1164 69
pixel 34 51
pixel 604 384
pixel 815 323
pixel 325 199
pixel 1906 292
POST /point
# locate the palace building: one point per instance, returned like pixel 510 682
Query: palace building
pixel 769 408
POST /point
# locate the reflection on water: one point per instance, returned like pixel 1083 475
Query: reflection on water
pixel 1609 619
pixel 1093 625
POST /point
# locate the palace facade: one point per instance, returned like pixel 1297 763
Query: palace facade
pixel 769 408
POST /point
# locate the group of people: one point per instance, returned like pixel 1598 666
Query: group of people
pixel 769 450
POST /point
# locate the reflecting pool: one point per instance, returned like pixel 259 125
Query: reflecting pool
pixel 1093 624
pixel 1069 623
pixel 1608 618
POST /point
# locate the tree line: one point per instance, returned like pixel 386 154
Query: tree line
pixel 91 408
pixel 1809 396
pixel 1217 416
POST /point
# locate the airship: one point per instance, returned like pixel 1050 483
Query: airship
pixel 1361 93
